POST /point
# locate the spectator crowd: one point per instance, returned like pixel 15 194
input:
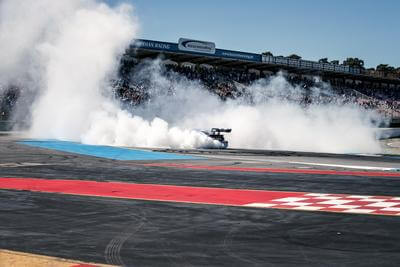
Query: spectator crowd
pixel 232 83
pixel 8 98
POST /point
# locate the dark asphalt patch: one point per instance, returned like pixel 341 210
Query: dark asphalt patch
pixel 142 233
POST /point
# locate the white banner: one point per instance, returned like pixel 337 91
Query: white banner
pixel 196 46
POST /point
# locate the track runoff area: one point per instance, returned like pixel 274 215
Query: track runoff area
pixel 80 205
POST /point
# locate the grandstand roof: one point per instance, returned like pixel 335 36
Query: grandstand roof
pixel 200 52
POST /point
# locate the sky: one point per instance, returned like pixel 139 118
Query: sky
pixel 313 29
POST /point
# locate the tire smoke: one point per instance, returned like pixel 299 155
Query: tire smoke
pixel 71 50
pixel 269 115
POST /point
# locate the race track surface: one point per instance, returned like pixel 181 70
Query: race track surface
pixel 198 207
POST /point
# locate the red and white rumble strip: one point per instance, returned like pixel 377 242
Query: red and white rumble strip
pixel 335 203
pixel 341 203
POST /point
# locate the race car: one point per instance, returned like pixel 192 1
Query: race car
pixel 215 134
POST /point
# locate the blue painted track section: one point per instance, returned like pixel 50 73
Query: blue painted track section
pixel 108 152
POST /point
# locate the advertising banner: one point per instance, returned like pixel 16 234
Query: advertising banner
pixel 149 44
pixel 238 55
pixel 196 46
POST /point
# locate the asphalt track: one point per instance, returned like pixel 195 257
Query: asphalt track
pixel 224 208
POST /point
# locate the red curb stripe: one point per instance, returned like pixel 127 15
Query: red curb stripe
pixel 201 195
pixel 272 170
pixel 338 203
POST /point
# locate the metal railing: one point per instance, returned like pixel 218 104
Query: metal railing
pixel 307 64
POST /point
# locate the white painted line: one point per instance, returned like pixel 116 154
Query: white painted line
pixel 316 195
pixel 372 200
pixel 383 204
pixel 335 202
pixel 355 196
pixel 344 207
pixel 290 199
pixel 298 204
pixel 371 168
pixel 391 209
pixel 22 164
pixel 328 198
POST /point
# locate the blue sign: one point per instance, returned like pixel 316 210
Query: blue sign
pixel 238 55
pixel 173 47
pixel 208 49
pixel 156 45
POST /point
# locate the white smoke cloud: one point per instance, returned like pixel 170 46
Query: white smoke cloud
pixel 78 63
pixel 66 56
pixel 24 24
pixel 117 127
pixel 69 51
pixel 269 116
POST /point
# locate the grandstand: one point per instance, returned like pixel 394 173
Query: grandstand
pixel 243 60
pixel 222 70
pixel 227 72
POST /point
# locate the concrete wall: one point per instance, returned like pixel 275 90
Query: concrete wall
pixel 384 133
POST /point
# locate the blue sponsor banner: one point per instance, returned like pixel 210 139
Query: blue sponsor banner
pixel 238 55
pixel 229 54
pixel 156 45
pixel 173 47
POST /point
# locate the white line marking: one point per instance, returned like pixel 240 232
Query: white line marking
pixel 391 209
pixel 21 164
pixel 335 202
pixel 348 166
pixel 290 199
pixel 371 168
pixel 383 204
pixel 344 207
pixel 316 195
pixel 372 200
pixel 327 198
pixel 298 204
